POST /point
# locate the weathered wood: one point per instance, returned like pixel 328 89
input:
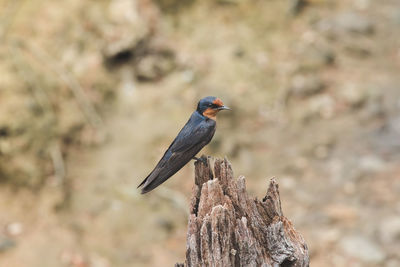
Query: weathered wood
pixel 229 228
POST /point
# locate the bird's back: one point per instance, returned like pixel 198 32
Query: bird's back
pixel 196 133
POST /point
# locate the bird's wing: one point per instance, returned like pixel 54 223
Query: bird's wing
pixel 190 140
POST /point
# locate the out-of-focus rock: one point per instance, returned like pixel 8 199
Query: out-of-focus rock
pixel 395 124
pixel 296 6
pixel 396 17
pixel 371 163
pixel 374 106
pixel 322 105
pixel 173 6
pixel 166 224
pixel 301 163
pixel 154 66
pixel 341 213
pixel 392 263
pixel 262 59
pixel 386 139
pixel 6 243
pixel 287 182
pixel 305 85
pixel 14 229
pixel 349 188
pixel 347 22
pixel 73 259
pixel 129 40
pixel 362 248
pixel 353 95
pixel 362 4
pixel 99 261
pixel 389 229
pixel 129 30
pixel 327 235
pixel 321 151
pixel 188 76
pixel 73 121
pixel 357 50
pixel 228 2
pixel 126 29
pixel 314 58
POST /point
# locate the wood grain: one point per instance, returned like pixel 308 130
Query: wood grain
pixel 227 227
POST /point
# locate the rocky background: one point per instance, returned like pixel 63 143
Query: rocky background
pixel 93 92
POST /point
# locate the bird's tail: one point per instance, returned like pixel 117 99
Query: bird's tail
pixel 143 182
pixel 146 180
pixel 149 183
pixel 150 186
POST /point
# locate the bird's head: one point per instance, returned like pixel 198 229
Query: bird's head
pixel 209 107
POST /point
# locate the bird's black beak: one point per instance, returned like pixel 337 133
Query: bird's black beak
pixel 224 108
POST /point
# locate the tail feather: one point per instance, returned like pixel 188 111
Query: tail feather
pixel 148 188
pixel 152 181
pixel 148 179
pixel 143 182
pixel 153 184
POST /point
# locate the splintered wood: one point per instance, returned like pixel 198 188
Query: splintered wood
pixel 229 228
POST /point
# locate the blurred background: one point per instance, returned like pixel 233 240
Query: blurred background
pixel 93 92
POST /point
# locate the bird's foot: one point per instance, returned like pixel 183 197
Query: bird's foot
pixel 203 160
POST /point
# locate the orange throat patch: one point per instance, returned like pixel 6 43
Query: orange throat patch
pixel 211 113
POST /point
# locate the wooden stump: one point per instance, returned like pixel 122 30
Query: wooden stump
pixel 229 228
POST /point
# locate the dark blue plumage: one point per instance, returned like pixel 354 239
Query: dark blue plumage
pixel 196 133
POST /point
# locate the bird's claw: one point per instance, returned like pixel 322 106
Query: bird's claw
pixel 203 160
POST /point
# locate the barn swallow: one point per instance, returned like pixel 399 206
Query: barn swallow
pixel 197 132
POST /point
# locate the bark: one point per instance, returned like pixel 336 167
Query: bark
pixel 229 228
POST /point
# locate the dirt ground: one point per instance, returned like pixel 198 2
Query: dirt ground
pixel 93 92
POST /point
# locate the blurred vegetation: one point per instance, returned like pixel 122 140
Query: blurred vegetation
pixel 52 88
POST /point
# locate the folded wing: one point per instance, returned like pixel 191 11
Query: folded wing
pixel 190 140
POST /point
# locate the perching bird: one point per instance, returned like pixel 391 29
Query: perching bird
pixel 197 132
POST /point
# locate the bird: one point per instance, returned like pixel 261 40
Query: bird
pixel 197 132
